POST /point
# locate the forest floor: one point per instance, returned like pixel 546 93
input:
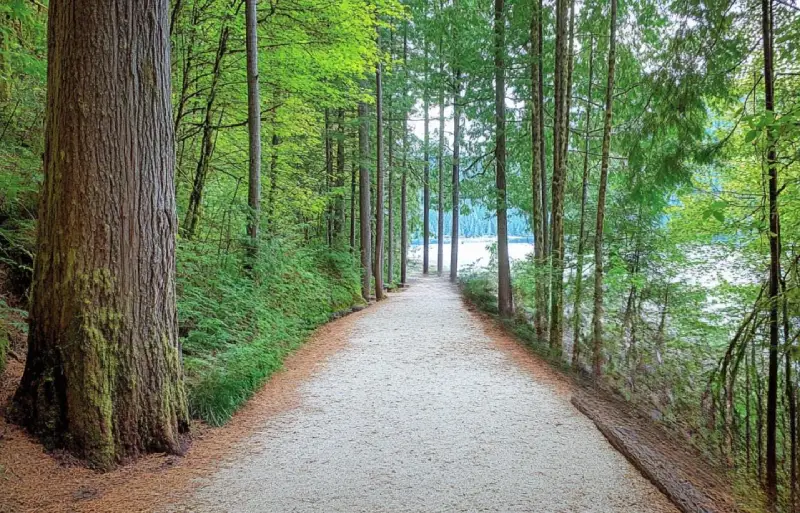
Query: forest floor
pixel 414 404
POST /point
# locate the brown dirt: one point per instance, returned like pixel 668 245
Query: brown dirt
pixel 33 480
pixel 674 467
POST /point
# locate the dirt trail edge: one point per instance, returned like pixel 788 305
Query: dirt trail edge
pixel 676 470
pixel 427 408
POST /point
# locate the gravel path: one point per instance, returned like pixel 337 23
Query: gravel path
pixel 424 410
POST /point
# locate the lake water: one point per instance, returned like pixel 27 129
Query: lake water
pixel 473 251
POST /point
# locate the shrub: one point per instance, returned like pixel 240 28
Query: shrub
pixel 237 326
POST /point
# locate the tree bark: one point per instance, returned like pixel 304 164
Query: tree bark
pixel 505 302
pixel 254 125
pixel 339 208
pixel 379 208
pixel 559 183
pixel 103 375
pixel 353 201
pixel 537 168
pixel 597 313
pixel 543 143
pixel 364 200
pixel 576 327
pixel 404 178
pixel 774 261
pixel 5 70
pixel 440 171
pixel 791 400
pixel 456 174
pixel 330 204
pixel 426 171
pixel 390 168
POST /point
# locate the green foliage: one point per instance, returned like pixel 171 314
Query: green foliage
pixel 238 327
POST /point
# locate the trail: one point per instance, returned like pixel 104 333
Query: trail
pixel 424 408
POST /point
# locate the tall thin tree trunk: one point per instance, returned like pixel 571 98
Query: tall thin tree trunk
pixel 577 310
pixel 774 261
pixel 353 206
pixel 426 171
pixel 103 375
pixel 379 208
pixel 364 200
pixel 339 211
pixel 791 400
pixel 597 312
pixel 254 125
pixel 505 302
pixel 207 146
pixel 440 171
pixel 404 178
pixel 5 69
pixel 456 174
pixel 329 178
pixel 390 171
pixel 273 181
pixel 559 183
pixel 543 142
pixel 537 168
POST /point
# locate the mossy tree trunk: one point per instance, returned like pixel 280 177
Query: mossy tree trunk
pixel 103 374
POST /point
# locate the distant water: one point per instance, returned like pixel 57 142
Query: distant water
pixel 473 251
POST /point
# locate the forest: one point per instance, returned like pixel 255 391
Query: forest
pixel 189 188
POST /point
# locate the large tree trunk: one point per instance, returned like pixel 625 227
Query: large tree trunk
pixel 774 261
pixel 576 327
pixel 505 302
pixel 254 125
pixel 537 169
pixel 364 200
pixel 597 312
pixel 103 373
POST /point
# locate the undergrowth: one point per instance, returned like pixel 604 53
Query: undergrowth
pixel 237 327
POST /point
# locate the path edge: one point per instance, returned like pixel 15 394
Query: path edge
pixel 715 496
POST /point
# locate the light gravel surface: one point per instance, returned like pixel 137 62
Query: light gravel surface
pixel 422 410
